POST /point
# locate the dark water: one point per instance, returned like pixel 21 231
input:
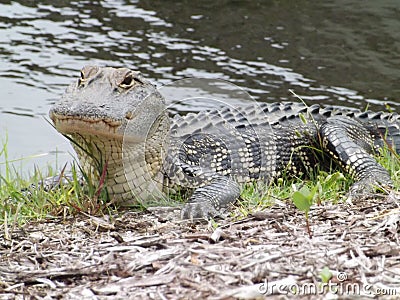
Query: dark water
pixel 331 51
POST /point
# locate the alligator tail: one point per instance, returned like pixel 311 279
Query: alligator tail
pixel 386 128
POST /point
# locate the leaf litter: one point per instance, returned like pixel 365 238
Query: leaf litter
pixel 155 255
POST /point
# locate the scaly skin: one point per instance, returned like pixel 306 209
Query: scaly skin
pixel 118 119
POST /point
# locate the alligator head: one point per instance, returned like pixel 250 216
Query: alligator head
pixel 117 122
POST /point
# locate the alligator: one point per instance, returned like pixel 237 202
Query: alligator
pixel 119 123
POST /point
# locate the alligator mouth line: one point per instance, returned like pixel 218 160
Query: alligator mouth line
pixel 87 126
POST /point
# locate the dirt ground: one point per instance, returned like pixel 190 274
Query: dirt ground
pixel 154 255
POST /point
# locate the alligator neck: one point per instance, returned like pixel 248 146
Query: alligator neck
pixel 143 162
pixel 133 169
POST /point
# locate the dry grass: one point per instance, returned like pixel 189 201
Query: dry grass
pixel 153 255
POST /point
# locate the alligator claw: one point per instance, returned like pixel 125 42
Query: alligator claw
pixel 199 210
pixel 367 187
pixel 211 200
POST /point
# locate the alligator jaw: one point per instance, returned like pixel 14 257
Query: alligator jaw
pixel 87 126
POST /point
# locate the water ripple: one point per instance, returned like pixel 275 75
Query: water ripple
pixel 326 53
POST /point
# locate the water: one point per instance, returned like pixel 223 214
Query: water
pixel 344 52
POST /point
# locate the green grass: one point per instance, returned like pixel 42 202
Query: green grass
pixel 390 160
pixel 21 200
pixel 257 197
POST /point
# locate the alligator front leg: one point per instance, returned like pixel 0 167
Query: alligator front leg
pixel 351 145
pixel 210 200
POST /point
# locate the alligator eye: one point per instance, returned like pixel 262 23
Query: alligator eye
pixel 87 73
pixel 127 81
pixel 82 79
